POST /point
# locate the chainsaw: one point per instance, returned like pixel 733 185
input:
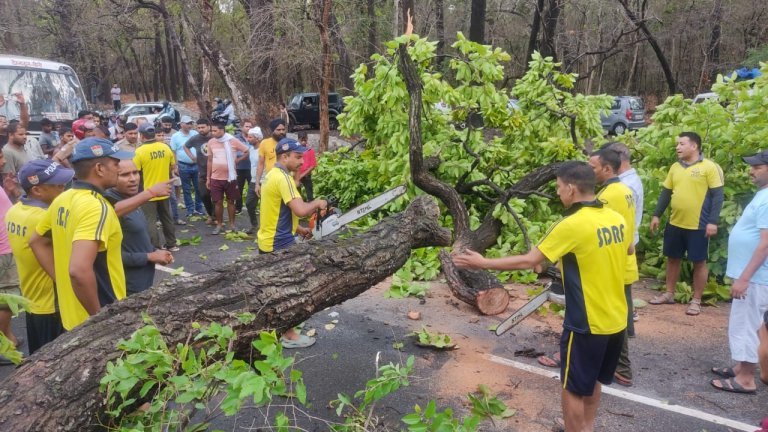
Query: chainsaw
pixel 328 222
pixel 553 291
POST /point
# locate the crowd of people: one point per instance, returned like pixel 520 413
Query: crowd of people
pixel 85 215
pixel 81 208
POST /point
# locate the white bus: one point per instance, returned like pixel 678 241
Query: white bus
pixel 51 90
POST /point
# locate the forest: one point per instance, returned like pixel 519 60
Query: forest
pixel 259 52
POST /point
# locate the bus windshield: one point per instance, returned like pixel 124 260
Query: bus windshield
pixel 55 95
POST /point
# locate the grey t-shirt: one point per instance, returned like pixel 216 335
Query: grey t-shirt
pixel 14 159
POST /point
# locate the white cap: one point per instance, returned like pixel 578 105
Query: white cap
pixel 256 131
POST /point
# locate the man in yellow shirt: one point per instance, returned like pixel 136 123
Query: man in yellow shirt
pixel 619 197
pixel 590 242
pixel 156 161
pixel 694 189
pixel 42 181
pixel 267 156
pixel 77 242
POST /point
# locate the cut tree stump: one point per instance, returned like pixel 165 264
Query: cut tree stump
pixel 57 387
pixel 477 288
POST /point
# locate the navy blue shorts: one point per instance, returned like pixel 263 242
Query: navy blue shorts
pixel 678 241
pixel 42 328
pixel 587 359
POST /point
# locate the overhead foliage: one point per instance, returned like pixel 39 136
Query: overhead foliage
pixel 551 124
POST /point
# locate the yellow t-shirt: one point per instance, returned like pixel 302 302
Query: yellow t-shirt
pixel 267 152
pixel 34 282
pixel 690 185
pixel 154 160
pixel 277 223
pixel 82 213
pixel 617 196
pixel 591 244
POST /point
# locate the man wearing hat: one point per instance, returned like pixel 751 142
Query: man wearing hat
pixel 156 161
pixel 747 253
pixel 42 181
pixel 267 156
pixel 281 208
pixel 80 235
pixel 187 167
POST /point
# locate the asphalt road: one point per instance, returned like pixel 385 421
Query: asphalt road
pixel 671 356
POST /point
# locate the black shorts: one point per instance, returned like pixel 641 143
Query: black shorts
pixel 678 241
pixel 587 359
pixel 42 328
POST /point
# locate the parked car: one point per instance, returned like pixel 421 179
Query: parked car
pixel 144 109
pixel 627 112
pixel 304 109
pixel 702 97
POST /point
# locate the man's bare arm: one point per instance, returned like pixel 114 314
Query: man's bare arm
pixel 42 248
pixel 83 276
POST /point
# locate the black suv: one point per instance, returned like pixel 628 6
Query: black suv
pixel 304 109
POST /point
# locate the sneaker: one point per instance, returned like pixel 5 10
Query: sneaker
pixel 635 317
pixel 303 341
pixel 171 248
pixel 181 222
pixel 217 230
pixel 181 205
pixel 250 230
pixel 230 229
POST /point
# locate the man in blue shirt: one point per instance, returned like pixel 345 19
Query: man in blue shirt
pixel 187 167
pixel 747 253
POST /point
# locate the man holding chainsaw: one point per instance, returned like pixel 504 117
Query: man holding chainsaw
pixel 591 243
pixel 280 210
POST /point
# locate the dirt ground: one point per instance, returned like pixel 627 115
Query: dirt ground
pixel 671 356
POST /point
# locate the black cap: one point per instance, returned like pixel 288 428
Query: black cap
pixel 757 158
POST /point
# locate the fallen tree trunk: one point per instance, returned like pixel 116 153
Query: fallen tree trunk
pixel 475 287
pixel 57 388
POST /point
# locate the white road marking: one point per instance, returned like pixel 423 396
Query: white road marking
pixel 678 409
pixel 171 270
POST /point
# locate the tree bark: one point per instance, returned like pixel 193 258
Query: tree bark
pixel 477 22
pixel 142 79
pixel 242 99
pixel 57 387
pixel 440 28
pixel 533 39
pixel 345 67
pixel 173 75
pixel 370 9
pixel 549 30
pixel 206 12
pixel 325 76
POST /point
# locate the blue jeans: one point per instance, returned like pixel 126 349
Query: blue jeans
pixel 174 204
pixel 188 174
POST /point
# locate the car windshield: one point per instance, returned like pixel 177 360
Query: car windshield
pixel 295 101
pixel 50 94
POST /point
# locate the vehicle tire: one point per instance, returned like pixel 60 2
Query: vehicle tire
pixel 333 124
pixel 619 129
pixel 291 123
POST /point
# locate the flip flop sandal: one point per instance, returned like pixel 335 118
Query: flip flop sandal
pixel 733 386
pixel 622 380
pixel 694 308
pixel 303 341
pixel 724 372
pixel 549 361
pixel 665 298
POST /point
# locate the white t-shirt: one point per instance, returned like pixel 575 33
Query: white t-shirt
pixel 115 93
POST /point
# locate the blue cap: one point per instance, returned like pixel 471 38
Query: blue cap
pixel 92 148
pixel 146 127
pixel 43 171
pixel 287 145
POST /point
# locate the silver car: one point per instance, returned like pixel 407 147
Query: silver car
pixel 627 112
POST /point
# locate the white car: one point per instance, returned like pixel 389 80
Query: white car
pixel 147 110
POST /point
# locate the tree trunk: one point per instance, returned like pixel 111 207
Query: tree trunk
pixel 477 288
pixel 325 76
pixel 141 77
pixel 477 22
pixel 57 387
pixel 206 11
pixel 640 24
pixel 372 44
pixel 533 39
pixel 712 59
pixel 345 62
pixel 240 96
pixel 440 28
pixel 549 30
pixel 173 75
pixel 406 9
